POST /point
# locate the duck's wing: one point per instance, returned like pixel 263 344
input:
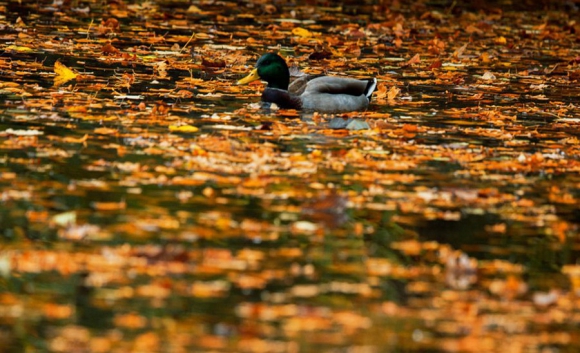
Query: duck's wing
pixel 341 85
pixel 337 94
pixel 298 83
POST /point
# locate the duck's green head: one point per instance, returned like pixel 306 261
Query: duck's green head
pixel 272 69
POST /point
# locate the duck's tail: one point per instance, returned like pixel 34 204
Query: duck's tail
pixel 371 86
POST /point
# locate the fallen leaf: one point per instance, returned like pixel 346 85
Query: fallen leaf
pixel 183 128
pixel 63 74
pixel 301 32
pixel 64 219
pixel 109 206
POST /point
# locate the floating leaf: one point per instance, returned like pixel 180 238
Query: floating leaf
pixel 69 139
pixel 393 92
pixel 18 48
pixel 63 74
pixel 5 263
pixel 301 32
pixel 358 124
pixel 414 60
pixel 459 52
pixel 485 58
pixel 488 76
pixel 23 132
pixel 65 219
pixel 109 206
pixel 183 128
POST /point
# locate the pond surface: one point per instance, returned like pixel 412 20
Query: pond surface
pixel 148 204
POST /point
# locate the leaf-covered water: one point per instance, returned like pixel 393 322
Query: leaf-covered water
pixel 148 204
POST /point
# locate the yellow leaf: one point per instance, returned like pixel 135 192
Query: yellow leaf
pixel 501 40
pixel 18 49
pixel 63 74
pixel 301 32
pixel 193 9
pixel 183 128
pixel 65 219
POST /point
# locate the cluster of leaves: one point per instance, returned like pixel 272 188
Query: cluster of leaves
pixel 147 203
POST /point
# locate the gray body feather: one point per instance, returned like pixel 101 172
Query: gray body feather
pixel 333 94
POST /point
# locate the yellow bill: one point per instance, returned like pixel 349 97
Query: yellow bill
pixel 253 76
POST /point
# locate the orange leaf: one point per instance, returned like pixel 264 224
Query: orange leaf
pixel 109 206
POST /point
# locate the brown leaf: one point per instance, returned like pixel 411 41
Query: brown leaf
pixel 108 49
pixel 207 62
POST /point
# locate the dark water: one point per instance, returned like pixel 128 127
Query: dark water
pixel 267 233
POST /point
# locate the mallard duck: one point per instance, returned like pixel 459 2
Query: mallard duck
pixel 313 93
